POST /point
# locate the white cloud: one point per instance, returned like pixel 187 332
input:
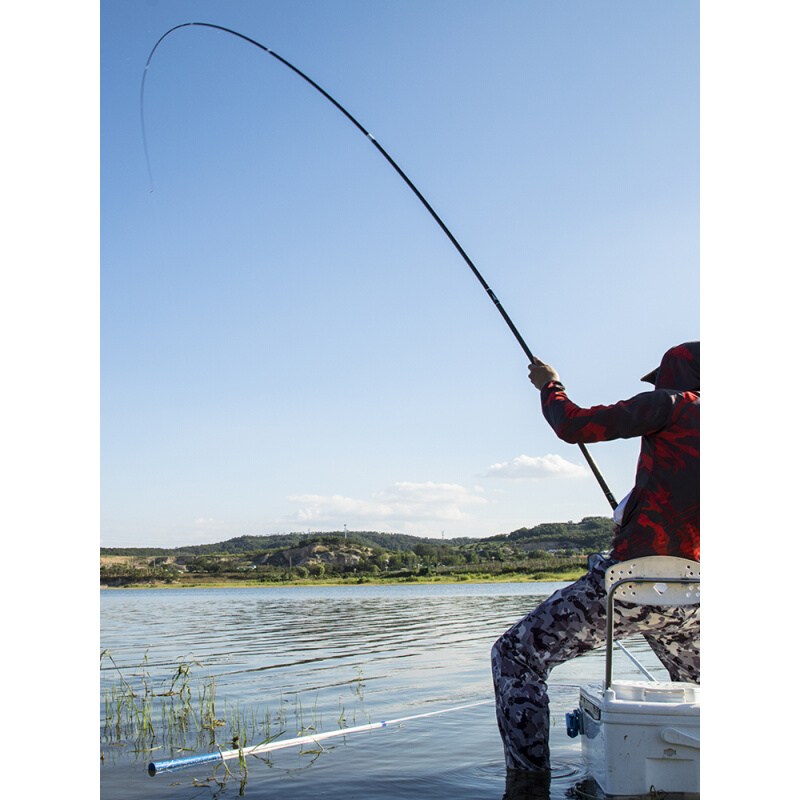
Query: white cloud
pixel 534 468
pixel 402 504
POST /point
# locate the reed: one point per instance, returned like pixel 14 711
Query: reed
pixel 180 713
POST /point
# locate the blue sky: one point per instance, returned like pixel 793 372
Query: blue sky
pixel 288 340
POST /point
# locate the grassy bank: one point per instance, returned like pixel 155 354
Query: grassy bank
pixel 197 581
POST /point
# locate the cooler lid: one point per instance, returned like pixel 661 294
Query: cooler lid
pixel 657 691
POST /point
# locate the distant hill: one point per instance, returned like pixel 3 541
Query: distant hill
pixel 590 532
pixel 392 542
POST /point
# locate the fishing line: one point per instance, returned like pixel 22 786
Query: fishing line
pixel 531 358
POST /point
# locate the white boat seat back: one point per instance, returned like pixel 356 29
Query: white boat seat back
pixel 660 582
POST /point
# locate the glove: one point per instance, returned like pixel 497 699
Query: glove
pixel 541 374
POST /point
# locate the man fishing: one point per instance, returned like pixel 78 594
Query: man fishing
pixel 660 516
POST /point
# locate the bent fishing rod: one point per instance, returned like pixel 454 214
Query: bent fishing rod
pixel 531 358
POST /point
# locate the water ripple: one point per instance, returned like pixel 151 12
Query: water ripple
pixel 359 654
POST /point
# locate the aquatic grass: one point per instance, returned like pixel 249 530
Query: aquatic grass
pixel 182 721
pixel 178 713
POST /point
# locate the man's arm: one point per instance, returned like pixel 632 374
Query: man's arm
pixel 645 413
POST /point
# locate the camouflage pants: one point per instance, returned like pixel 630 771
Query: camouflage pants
pixel 571 622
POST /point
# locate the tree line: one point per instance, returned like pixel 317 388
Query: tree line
pixel 549 548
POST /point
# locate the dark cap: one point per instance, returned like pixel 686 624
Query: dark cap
pixel 679 369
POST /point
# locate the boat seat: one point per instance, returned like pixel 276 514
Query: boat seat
pixel 655 580
pixel 651 580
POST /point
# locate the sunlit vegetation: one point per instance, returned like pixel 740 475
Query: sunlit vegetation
pixel 552 551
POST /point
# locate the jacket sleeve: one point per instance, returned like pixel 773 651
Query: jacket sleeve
pixel 643 414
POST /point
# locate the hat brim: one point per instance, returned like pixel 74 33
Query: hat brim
pixel 651 376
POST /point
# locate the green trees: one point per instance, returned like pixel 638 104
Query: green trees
pixel 543 549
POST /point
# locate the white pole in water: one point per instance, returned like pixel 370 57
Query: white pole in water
pixel 224 755
pixel 635 661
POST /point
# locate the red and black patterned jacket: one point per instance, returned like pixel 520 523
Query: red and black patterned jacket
pixel 662 514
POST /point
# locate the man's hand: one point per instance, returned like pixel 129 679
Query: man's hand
pixel 541 373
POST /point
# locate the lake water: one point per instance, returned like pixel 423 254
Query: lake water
pixel 318 659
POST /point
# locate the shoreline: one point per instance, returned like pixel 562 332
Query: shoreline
pixel 426 581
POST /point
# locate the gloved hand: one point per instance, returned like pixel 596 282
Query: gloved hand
pixel 541 373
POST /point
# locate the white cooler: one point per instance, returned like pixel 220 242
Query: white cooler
pixel 638 736
pixel 641 734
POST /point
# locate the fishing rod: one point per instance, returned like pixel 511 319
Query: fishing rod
pixel 267 747
pixel 531 358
